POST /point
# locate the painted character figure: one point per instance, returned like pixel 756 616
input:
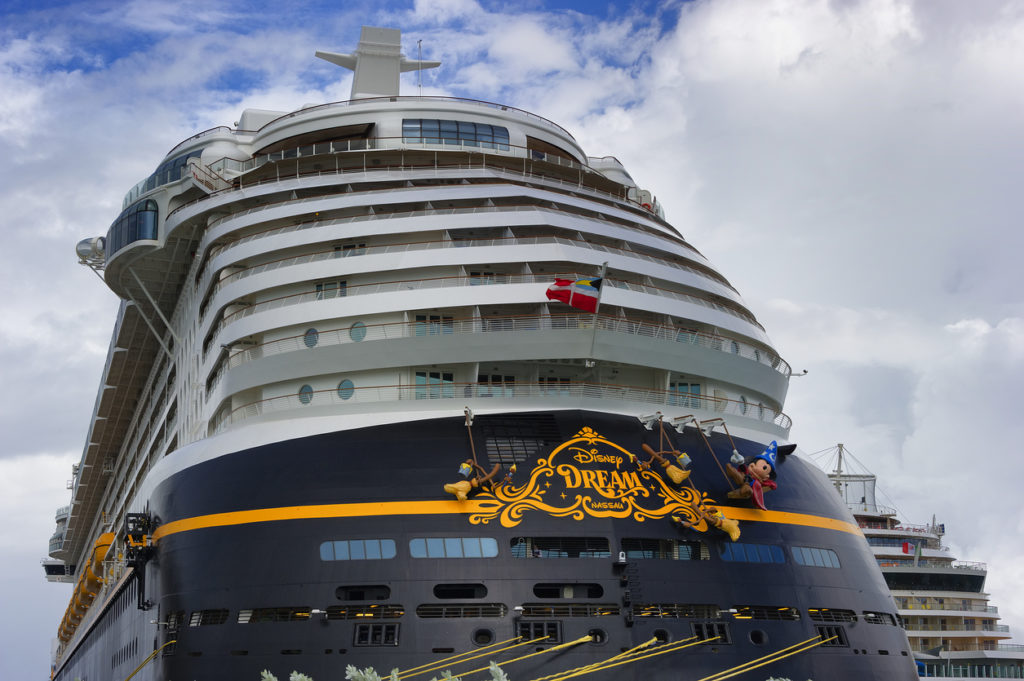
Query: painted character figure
pixel 475 480
pixel 754 474
pixel 714 518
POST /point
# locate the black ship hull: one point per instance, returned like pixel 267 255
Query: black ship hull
pixel 312 554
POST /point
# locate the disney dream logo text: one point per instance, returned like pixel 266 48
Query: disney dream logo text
pixel 590 476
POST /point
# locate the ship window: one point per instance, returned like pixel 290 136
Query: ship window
pixel 665 549
pixel 766 612
pixel 346 389
pixel 453 547
pixel 331 289
pixel 815 557
pixel 311 338
pixel 203 618
pixel 306 394
pixel 358 549
pixel 349 249
pixel 372 592
pixel 495 385
pixel 683 394
pixel 434 384
pixel 446 610
pixel 677 611
pixel 555 385
pixel 738 552
pixel 460 591
pixel 375 635
pixel 374 611
pixel 357 331
pixel 569 590
pixel 550 632
pixel 434 325
pixel 836 633
pixel 832 615
pixel 462 133
pixel 712 633
pixel 570 610
pixel 299 614
pixel 138 221
pixel 887 618
pixel 560 547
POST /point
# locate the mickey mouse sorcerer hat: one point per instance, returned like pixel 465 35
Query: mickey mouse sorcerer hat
pixel 770 454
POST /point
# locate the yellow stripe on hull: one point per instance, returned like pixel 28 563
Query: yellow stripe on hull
pixel 393 508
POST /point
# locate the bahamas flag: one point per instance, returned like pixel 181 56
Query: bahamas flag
pixel 583 294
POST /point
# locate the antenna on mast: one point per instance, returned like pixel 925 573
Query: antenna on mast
pixel 419 61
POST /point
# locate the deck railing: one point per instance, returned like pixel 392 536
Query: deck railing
pixel 509 323
pixel 570 393
pixel 246 309
pixel 411 246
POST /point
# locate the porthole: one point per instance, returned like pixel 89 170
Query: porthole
pixel 306 394
pixel 597 637
pixel 311 338
pixel 758 637
pixel 346 389
pixel 483 637
pixel 357 331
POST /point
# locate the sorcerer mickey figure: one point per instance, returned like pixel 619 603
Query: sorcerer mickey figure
pixel 754 474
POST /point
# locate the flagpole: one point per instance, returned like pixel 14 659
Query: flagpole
pixel 597 306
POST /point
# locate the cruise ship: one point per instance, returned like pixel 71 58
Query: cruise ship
pixel 953 631
pixel 414 383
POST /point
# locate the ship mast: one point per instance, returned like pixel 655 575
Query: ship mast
pixel 377 63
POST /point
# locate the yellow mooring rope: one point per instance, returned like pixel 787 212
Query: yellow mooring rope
pixel 151 656
pixel 631 655
pixel 624 653
pixel 454 659
pixel 582 639
pixel 767 659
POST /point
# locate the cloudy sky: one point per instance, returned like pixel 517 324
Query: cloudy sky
pixel 853 166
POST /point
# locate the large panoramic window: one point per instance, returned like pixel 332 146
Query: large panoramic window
pixel 815 557
pixel 462 133
pixel 136 222
pixel 434 384
pixel 752 553
pixel 453 547
pixel 358 549
pixel 560 547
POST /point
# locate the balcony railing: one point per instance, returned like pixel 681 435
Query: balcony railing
pixel 994 628
pixel 565 393
pixel 406 285
pixel 958 565
pixel 412 246
pixel 512 323
pixel 951 607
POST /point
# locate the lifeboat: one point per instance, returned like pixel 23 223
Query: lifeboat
pixel 88 585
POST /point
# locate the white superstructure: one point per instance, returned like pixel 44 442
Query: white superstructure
pixel 386 259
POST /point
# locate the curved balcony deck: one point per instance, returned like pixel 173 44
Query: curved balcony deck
pixel 513 323
pixel 580 395
pixel 437 244
pixel 407 285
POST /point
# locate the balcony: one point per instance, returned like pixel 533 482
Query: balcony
pixel 517 395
